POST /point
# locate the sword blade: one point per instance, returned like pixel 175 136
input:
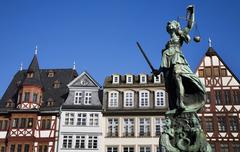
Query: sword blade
pixel 145 56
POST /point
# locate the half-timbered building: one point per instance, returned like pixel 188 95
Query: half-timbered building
pixel 29 109
pixel 81 117
pixel 221 114
pixel 133 112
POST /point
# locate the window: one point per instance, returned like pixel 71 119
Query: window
pixel 227 97
pixel 144 98
pixel 20 98
pixel 3 124
pixel 80 142
pixel 128 99
pixel 223 72
pixel 69 119
pixel 143 79
pixel 208 71
pixel 35 96
pixel 216 71
pixel 218 96
pixel 115 79
pixel 234 123
pixel 113 99
pixel 145 148
pixel 128 129
pixel 46 123
pixel 82 119
pixel 2 148
pixel 158 126
pixel 26 96
pixel 128 149
pixel 43 148
pixel 213 147
pixel 224 148
pixel 93 119
pixel 19 148
pixel 112 149
pixel 144 127
pixel 29 74
pixel 222 124
pixel 67 142
pixel 56 84
pixel 26 148
pixel 160 98
pixel 12 148
pixel 92 142
pixel 50 74
pixel 88 98
pixel 157 79
pixel 22 122
pixel 78 97
pixel 236 147
pixel 208 96
pixel 112 127
pixel 209 124
pixel 201 73
pixel 236 97
pixel 129 79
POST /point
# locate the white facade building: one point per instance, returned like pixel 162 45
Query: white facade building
pixel 80 125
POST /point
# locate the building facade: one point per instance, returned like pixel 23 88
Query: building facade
pixel 81 117
pixel 29 109
pixel 221 114
pixel 133 112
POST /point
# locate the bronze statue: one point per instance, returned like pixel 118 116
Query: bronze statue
pixel 186 93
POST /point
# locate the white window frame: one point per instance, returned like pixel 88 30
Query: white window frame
pixel 158 123
pixel 129 148
pixel 92 140
pixel 82 119
pixel 128 126
pixel 112 149
pixel 157 79
pixel 82 141
pixel 141 78
pixel 145 148
pixel 113 126
pixel 78 97
pixel 128 100
pixel 144 100
pixel 160 98
pixel 69 141
pixel 113 100
pixel 93 119
pixel 146 124
pixel 69 119
pixel 129 77
pixel 115 79
pixel 88 98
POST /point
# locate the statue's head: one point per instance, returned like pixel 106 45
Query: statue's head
pixel 173 26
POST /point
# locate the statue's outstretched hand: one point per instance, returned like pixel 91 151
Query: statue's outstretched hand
pixel 156 72
pixel 190 8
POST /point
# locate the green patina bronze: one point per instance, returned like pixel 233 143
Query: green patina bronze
pixel 182 131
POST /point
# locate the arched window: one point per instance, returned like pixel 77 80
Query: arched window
pixel 128 99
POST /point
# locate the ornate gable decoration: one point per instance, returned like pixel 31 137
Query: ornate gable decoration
pixel 84 80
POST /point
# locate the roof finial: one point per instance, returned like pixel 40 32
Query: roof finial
pixel 21 67
pixel 36 50
pixel 209 42
pixel 74 65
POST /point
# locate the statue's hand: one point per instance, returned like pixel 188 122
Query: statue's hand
pixel 155 72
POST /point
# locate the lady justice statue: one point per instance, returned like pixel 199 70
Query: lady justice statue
pixel 186 93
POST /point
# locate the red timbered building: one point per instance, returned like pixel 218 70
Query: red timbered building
pixel 29 109
pixel 221 114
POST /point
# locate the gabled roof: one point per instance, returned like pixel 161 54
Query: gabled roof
pixel 34 69
pixel 77 81
pixel 211 52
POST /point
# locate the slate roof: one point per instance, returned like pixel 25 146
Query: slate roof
pixel 64 76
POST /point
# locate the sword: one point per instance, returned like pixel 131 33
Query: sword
pixel 145 56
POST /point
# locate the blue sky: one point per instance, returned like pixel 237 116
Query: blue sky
pixel 101 35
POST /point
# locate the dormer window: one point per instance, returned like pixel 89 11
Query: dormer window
pixel 50 74
pixel 115 79
pixel 56 84
pixel 143 78
pixel 35 97
pixel 9 103
pixel 129 79
pixel 29 74
pixel 157 79
pixel 26 96
pixel 50 102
